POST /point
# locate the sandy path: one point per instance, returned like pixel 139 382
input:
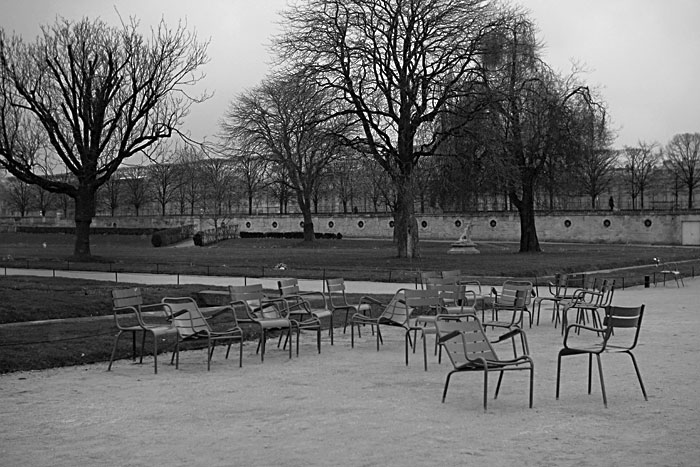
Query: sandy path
pixel 361 407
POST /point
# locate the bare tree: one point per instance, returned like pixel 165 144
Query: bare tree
pixel 289 121
pixel 109 195
pixel 531 115
pixel 683 155
pixel 639 165
pixel 163 178
pixel 251 168
pixel 97 95
pixel 217 179
pixel 189 187
pixel 19 196
pixel 396 65
pixel 136 187
pixel 42 199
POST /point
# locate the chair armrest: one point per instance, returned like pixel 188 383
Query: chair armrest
pixel 155 306
pixel 370 300
pixel 579 327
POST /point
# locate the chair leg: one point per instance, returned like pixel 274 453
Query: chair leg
pixel 405 341
pixel 143 344
pixel 114 350
pixel 498 385
pixel 345 325
pixel 298 339
pixel 558 373
pixel 532 381
pixel 639 375
pixel 590 371
pixel 352 335
pixel 486 388
pixel 318 337
pixel 330 330
pixel 240 353
pixel 177 354
pixel 447 383
pixel 602 381
pixel 261 344
pixel 425 352
pixel 155 353
pixel 210 350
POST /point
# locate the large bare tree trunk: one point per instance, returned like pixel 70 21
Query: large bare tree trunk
pixel 84 212
pixel 405 224
pixel 529 243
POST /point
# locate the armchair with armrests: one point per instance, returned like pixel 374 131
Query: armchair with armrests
pixel 469 349
pixel 337 301
pixel 299 308
pixel 131 315
pixel 619 334
pixel 191 325
pixel 253 307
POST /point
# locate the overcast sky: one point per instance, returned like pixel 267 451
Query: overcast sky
pixel 644 55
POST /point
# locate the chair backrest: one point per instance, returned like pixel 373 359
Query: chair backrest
pixel 252 297
pixel 464 341
pixel 397 311
pixel 452 294
pixel 336 292
pixel 617 320
pixel 288 287
pixel 451 274
pixel 425 275
pixel 433 282
pixel 607 290
pixel 423 301
pixel 187 317
pixel 122 298
pixel 516 294
pixel 472 285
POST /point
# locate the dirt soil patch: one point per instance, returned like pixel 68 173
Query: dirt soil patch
pixel 360 407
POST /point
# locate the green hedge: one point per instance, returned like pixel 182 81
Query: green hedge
pixel 207 237
pixel 173 235
pixel 93 230
pixel 299 235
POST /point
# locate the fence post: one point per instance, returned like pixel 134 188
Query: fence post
pixel 116 277
pixel 178 278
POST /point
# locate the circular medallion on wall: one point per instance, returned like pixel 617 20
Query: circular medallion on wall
pixel 647 223
pixel 361 224
pixel 424 224
pixel 493 223
pixel 274 224
pixel 301 224
pixel 391 224
pixel 458 223
pixel 606 223
pixel 247 225
pixel 567 223
pixel 330 224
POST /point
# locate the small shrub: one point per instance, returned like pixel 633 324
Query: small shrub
pixel 173 235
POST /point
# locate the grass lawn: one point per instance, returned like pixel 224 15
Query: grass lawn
pixel 39 346
pixel 349 258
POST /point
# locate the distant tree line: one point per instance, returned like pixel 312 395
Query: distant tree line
pixel 384 106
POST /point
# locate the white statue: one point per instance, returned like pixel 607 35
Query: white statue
pixel 465 245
